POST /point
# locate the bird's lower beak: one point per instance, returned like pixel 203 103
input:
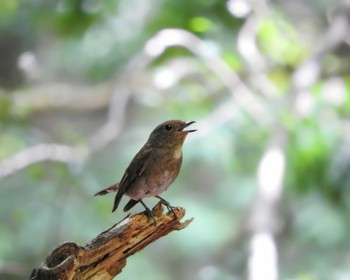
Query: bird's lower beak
pixel 186 125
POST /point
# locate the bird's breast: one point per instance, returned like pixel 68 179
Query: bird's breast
pixel 178 153
pixel 155 180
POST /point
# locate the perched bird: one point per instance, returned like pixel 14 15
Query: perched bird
pixel 153 168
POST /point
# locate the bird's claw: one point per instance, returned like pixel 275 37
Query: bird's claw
pixel 168 206
pixel 149 213
pixel 171 209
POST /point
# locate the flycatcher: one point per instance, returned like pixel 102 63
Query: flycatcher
pixel 153 168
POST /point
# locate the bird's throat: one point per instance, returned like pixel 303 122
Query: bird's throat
pixel 178 153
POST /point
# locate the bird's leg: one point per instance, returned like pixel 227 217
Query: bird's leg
pixel 149 212
pixel 167 205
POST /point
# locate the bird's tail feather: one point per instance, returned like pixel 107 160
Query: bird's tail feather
pixel 117 200
pixel 130 205
pixel 112 188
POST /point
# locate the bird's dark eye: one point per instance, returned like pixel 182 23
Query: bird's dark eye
pixel 168 127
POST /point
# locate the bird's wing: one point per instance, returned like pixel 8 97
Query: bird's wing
pixel 134 170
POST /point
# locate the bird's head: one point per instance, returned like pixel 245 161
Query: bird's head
pixel 170 134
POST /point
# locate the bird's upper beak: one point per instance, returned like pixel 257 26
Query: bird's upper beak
pixel 186 125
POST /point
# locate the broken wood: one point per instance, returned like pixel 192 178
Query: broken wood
pixel 106 255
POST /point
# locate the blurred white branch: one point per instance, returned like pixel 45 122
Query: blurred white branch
pixel 245 99
pixel 264 222
pixel 271 173
pixel 89 98
pixel 263 260
pixel 258 66
pixel 63 153
pixel 40 153
pixel 111 129
pixel 95 97
pixel 61 96
pixel 338 31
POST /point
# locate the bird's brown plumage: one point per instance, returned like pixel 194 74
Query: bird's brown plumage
pixel 154 167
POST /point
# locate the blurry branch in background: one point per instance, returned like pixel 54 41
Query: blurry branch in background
pixel 111 129
pixel 124 84
pixel 40 153
pixel 243 97
pixel 337 32
pixel 105 256
pixel 61 96
pixel 258 67
pixel 264 222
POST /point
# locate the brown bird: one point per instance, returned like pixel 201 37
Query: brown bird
pixel 153 168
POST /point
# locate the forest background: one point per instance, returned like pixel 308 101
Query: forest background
pixel 266 176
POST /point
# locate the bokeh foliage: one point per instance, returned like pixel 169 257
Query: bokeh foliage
pixel 89 43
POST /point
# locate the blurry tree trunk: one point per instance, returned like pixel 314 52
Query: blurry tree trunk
pixel 105 256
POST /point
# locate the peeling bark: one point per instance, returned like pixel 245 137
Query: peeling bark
pixel 105 256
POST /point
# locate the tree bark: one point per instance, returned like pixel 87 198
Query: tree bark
pixel 106 255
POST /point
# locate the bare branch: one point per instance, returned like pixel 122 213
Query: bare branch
pixel 106 255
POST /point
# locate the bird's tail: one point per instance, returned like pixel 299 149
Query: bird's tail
pixel 130 205
pixel 112 188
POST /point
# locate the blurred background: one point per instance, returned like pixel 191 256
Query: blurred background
pixel 266 176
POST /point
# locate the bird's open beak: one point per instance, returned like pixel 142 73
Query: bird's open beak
pixel 186 125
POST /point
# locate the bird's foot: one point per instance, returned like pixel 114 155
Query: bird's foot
pixel 149 213
pixel 167 205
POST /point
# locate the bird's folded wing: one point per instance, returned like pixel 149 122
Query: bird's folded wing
pixel 134 170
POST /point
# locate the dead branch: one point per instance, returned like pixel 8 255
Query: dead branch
pixel 105 256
